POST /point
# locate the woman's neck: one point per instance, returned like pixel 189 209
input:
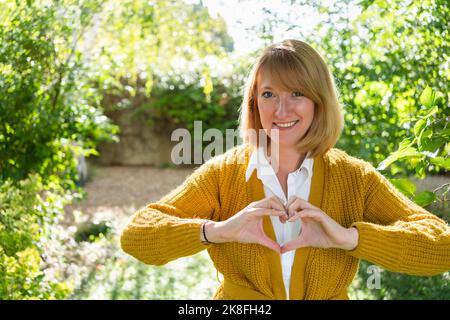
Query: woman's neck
pixel 285 159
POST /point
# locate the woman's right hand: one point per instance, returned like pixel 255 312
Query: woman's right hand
pixel 247 225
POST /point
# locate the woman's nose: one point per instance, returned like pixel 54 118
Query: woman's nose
pixel 282 108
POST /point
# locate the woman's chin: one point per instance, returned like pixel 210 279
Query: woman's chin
pixel 286 143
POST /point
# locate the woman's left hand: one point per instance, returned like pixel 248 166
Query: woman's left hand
pixel 318 229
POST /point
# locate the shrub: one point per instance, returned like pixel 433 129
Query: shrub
pixel 50 114
pixel 25 214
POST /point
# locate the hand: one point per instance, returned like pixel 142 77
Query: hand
pixel 318 229
pixel 247 225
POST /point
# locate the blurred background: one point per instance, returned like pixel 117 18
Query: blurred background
pixel 90 91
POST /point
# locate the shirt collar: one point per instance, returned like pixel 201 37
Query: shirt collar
pixel 259 161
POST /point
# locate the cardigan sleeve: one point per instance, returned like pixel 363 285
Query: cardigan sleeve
pixel 169 228
pixel 398 234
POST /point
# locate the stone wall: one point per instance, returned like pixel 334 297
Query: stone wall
pixel 139 144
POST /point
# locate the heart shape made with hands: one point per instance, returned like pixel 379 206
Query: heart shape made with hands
pixel 317 229
pixel 292 208
pixel 311 231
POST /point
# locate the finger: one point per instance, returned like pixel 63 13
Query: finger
pixel 297 205
pixel 297 201
pixel 269 243
pixel 272 202
pixel 268 212
pixel 284 218
pixel 306 213
pixel 292 245
pixel 275 203
pixel 294 206
pixel 294 217
pixel 293 203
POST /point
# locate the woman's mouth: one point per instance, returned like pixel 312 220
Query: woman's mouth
pixel 285 125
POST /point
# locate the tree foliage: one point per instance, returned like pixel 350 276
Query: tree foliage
pixel 48 110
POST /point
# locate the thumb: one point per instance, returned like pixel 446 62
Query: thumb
pixel 269 243
pixel 293 244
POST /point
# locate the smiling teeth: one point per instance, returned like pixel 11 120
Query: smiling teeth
pixel 286 125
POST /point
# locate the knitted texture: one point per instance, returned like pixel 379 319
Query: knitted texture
pixel 394 232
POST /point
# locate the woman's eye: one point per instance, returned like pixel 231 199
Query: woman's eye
pixel 297 94
pixel 267 96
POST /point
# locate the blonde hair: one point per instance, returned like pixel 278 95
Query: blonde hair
pixel 296 66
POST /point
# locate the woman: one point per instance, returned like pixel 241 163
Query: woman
pixel 290 218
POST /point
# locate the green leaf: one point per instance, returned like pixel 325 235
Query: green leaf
pixel 430 112
pixel 427 133
pixel 442 162
pixel 405 186
pixel 420 170
pixel 406 143
pixel 419 126
pixel 399 154
pixel 366 3
pixel 427 97
pixel 431 144
pixel 425 198
pixel 445 133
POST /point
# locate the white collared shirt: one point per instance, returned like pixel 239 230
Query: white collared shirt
pixel 298 184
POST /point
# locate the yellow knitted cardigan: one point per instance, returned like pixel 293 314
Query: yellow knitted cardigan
pixel 394 233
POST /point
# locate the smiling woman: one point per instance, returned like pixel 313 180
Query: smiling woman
pixel 298 226
pixel 290 112
pixel 292 82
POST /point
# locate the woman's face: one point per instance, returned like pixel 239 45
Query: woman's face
pixel 290 113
